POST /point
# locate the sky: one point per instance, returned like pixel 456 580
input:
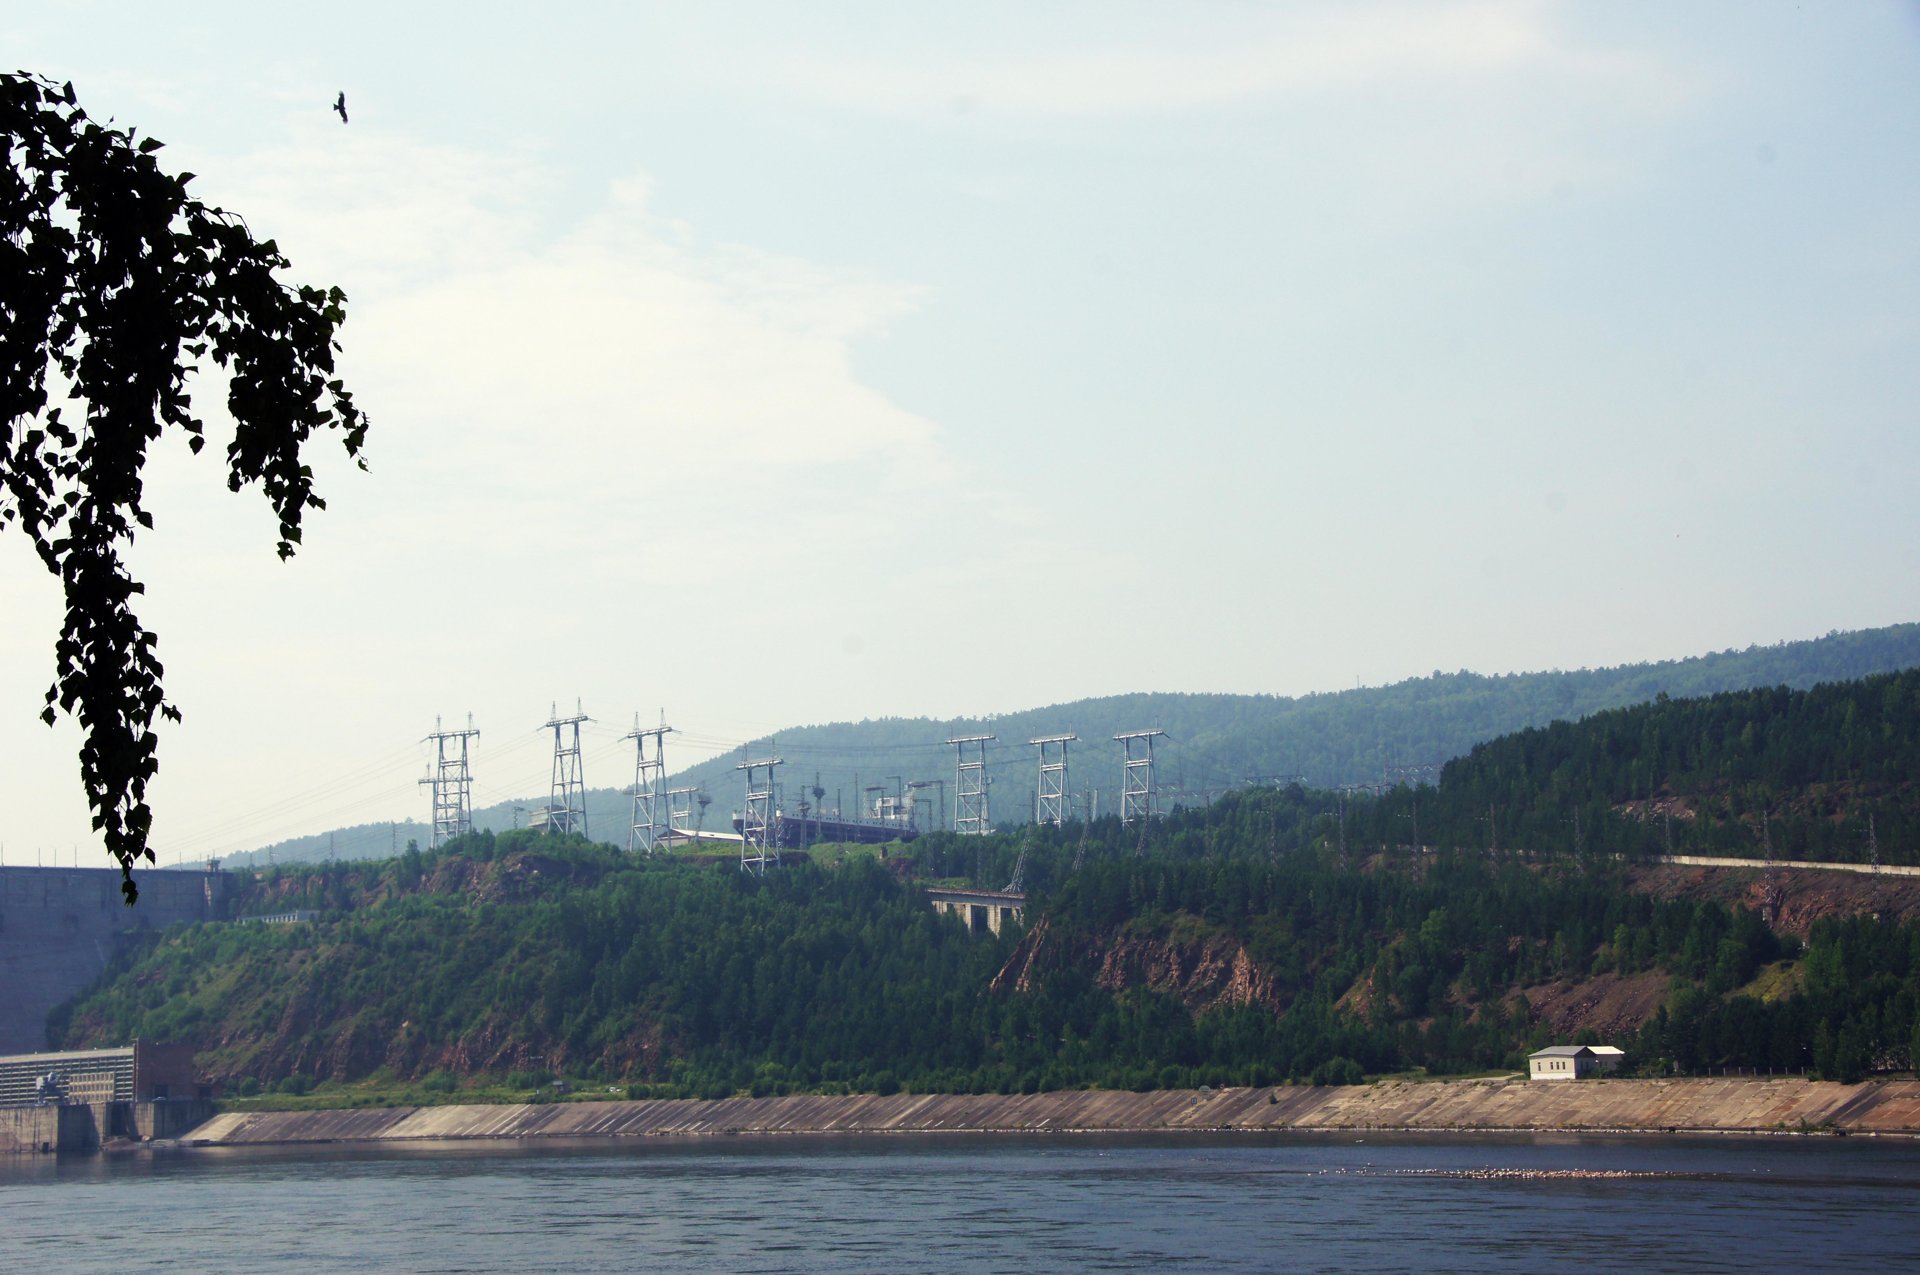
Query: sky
pixel 768 364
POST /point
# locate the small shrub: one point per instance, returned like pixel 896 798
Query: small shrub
pixel 1338 1071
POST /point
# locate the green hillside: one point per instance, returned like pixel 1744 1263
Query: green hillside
pixel 1277 933
pixel 1231 966
pixel 1831 773
pixel 1217 742
pixel 1213 742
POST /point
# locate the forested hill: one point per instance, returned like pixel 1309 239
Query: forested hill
pixel 1231 945
pixel 1215 742
pixel 1830 773
pixel 1277 932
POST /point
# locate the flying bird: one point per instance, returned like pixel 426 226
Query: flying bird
pixel 340 105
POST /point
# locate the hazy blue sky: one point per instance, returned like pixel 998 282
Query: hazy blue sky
pixel 777 363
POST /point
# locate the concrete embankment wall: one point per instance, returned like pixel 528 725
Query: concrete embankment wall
pixel 79 1127
pixel 34 1130
pixel 60 926
pixel 171 1119
pixel 1648 1105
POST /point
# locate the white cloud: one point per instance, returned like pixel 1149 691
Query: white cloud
pixel 1377 119
pixel 574 422
pixel 639 343
pixel 1198 64
pixel 578 371
pixel 594 417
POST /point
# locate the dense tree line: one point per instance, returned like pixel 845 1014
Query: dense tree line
pixel 677 980
pixel 1825 773
pixel 1325 740
pixel 1854 1012
pixel 574 956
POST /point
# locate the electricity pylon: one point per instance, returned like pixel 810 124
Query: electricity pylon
pixel 452 783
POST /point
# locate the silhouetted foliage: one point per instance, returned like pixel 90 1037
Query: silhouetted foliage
pixel 114 285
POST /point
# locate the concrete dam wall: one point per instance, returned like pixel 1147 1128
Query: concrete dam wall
pixel 68 1127
pixel 59 927
pixel 1684 1106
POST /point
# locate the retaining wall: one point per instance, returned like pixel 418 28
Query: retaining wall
pixel 1691 1105
pixel 53 1128
pixel 72 1127
pixel 60 926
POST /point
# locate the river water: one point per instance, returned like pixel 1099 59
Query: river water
pixel 980 1203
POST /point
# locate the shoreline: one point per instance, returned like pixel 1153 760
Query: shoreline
pixel 1753 1106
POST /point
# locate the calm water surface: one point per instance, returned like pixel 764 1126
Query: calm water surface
pixel 1248 1203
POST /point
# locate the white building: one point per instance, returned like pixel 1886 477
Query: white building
pixel 1572 1062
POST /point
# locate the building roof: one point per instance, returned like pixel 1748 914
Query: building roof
pixel 70 1057
pixel 1562 1051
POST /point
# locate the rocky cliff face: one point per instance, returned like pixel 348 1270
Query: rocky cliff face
pixel 512 878
pixel 1791 900
pixel 1612 1005
pixel 1183 957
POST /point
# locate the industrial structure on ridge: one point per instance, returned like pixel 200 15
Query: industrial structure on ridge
pixel 764 825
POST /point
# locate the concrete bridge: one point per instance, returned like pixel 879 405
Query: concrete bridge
pixel 982 911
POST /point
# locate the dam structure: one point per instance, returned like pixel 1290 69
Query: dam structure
pixel 60 927
pixel 82 1099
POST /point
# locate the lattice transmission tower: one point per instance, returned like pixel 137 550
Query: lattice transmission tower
pixel 758 838
pixel 685 808
pixel 452 782
pixel 1136 775
pixel 649 791
pixel 567 797
pixel 1050 789
pixel 972 813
